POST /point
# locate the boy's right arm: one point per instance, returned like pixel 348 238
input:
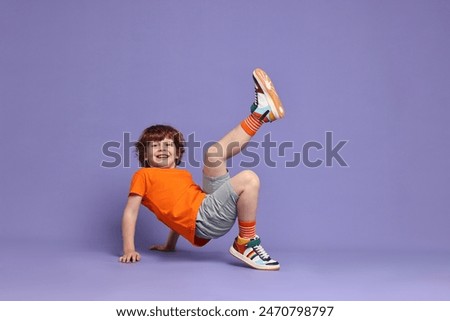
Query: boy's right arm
pixel 129 219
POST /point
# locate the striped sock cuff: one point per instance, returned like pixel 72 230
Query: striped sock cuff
pixel 251 124
pixel 247 230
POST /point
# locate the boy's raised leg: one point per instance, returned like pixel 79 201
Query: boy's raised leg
pixel 267 107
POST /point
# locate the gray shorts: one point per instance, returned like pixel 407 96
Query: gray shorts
pixel 218 210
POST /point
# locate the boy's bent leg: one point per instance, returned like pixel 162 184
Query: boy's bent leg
pixel 248 249
pixel 227 199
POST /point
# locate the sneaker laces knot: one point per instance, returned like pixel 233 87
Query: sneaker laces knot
pixel 261 252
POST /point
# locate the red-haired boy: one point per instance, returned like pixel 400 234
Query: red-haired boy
pixel 201 214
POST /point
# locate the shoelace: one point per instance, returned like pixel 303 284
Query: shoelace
pixel 261 118
pixel 261 252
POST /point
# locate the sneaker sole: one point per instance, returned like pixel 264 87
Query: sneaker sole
pixel 246 260
pixel 268 88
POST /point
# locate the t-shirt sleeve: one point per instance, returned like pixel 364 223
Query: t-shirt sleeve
pixel 138 184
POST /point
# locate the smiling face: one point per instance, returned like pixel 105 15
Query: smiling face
pixel 162 154
pixel 160 146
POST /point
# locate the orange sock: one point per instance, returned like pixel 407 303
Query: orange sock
pixel 247 230
pixel 251 124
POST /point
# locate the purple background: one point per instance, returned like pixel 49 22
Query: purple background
pixel 77 74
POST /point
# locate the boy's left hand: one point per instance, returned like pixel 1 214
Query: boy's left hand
pixel 162 248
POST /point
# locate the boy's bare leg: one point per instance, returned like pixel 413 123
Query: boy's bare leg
pixel 245 183
pixel 218 153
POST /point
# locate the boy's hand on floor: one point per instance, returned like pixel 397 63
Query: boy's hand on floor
pixel 130 257
pixel 162 248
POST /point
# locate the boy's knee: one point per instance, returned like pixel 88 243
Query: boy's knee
pixel 246 180
pixel 250 178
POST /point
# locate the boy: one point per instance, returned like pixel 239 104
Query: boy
pixel 198 214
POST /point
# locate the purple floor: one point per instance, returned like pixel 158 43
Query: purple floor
pixel 39 271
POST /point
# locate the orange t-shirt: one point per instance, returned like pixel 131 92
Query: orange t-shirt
pixel 172 196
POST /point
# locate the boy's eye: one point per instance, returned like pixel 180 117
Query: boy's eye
pixel 157 144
